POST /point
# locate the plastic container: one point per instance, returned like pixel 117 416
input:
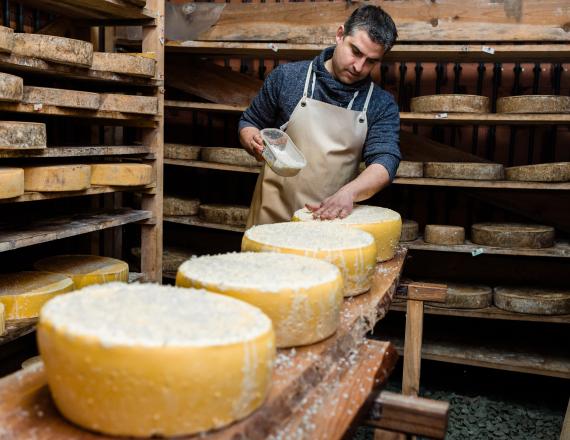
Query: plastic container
pixel 281 154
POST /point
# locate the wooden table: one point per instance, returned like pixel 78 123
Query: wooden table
pixel 316 390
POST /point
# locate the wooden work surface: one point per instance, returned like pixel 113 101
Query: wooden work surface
pixel 309 385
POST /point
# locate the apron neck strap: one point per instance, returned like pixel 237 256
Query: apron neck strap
pixel 306 89
pixel 362 116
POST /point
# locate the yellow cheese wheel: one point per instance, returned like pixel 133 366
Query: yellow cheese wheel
pixel 11 182
pixel 23 294
pixel 57 178
pixel 2 319
pixel 85 270
pixel 351 250
pixel 384 224
pixel 147 360
pixel 301 295
pixel 121 174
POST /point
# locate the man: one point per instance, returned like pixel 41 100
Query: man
pixel 336 116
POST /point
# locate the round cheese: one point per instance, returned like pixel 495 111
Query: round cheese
pixel 11 182
pixel 229 156
pixel 22 135
pixel 121 174
pixel 444 234
pixel 513 235
pixel 542 172
pixel 466 296
pixel 57 178
pixel 464 170
pixel 23 294
pixel 533 300
pixel 384 224
pixel 85 270
pixel 410 230
pixel 452 103
pixel 147 360
pixel 534 104
pixel 235 215
pixel 173 205
pixel 181 151
pixel 410 169
pixel 301 295
pixel 11 87
pixel 351 250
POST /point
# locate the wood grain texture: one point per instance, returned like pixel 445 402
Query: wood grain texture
pixel 22 135
pixel 533 300
pixel 61 98
pixel 513 235
pixel 450 104
pixel 78 151
pixel 94 9
pixel 413 348
pixel 55 49
pixel 444 234
pixel 456 170
pixel 534 104
pixel 11 87
pixel 544 172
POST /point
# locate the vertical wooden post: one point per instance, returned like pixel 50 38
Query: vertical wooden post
pixel 413 347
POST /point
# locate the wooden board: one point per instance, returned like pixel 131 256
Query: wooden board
pixel 230 156
pixel 456 170
pixel 210 165
pixel 410 230
pixel 544 172
pixel 180 151
pixel 513 235
pixel 124 63
pixel 533 300
pixel 61 98
pixel 94 9
pixel 194 220
pixel 480 118
pixel 55 49
pixel 233 215
pixel 11 87
pixel 534 104
pixel 180 205
pixel 22 135
pixel 495 184
pixel 466 296
pixel 6 39
pixel 410 169
pixel 451 103
pixel 145 105
pixel 444 234
pixel 78 151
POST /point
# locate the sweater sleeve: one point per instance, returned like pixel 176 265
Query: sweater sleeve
pixel 264 109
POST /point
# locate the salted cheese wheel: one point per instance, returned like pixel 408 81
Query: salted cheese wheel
pixel 85 270
pixel 22 135
pixel 173 205
pixel 11 182
pixel 121 174
pixel 410 230
pixel 466 296
pixel 56 178
pixel 464 170
pixel 513 235
pixel 124 63
pixel 23 294
pixel 11 87
pixel 61 97
pixel 444 234
pixel 534 104
pixel 147 360
pixel 543 172
pixel 235 215
pixel 351 250
pixel 384 224
pixel 410 169
pixel 301 295
pixel 533 300
pixel 451 103
pixel 51 48
pixel 230 156
pixel 180 151
pixel 6 39
pixel 114 102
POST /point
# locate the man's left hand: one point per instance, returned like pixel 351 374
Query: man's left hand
pixel 339 205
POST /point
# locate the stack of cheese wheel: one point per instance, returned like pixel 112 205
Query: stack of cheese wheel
pixel 24 293
pixel 384 224
pixel 301 295
pixel 85 270
pixel 351 250
pixel 147 360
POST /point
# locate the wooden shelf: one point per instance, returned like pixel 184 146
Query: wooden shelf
pixel 95 190
pixel 204 106
pixel 561 249
pixel 42 231
pixel 77 151
pixel 195 221
pixel 485 118
pixel 212 165
pixel 17 329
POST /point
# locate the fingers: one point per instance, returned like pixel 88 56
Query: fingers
pixel 257 147
pixel 312 207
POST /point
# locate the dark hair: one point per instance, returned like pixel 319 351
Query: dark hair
pixel 376 22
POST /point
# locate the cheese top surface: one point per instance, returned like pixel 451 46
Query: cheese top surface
pixel 32 282
pixel 9 171
pixel 310 235
pixel 359 215
pixel 149 315
pixel 79 264
pixel 267 271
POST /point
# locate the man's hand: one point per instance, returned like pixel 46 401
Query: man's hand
pixel 252 142
pixel 339 205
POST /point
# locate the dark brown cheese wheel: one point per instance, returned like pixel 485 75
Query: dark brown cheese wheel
pixel 533 300
pixel 466 296
pixel 234 215
pixel 410 169
pixel 513 235
pixel 544 172
pixel 450 104
pixel 11 87
pixel 173 205
pixel 229 156
pixel 463 170
pixel 180 151
pixel 444 234
pixel 534 104
pixel 410 230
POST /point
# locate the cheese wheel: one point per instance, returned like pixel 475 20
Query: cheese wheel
pixel 533 300
pixel 146 360
pixel 6 39
pixel 22 135
pixel 410 230
pixel 61 97
pixel 51 48
pixel 230 156
pixel 466 296
pixel 351 250
pixel 86 269
pixel 464 170
pixel 11 182
pixel 234 215
pixel 57 178
pixel 543 172
pixel 124 63
pixel 24 293
pixel 145 105
pixel 451 103
pixel 11 87
pixel 410 169
pixel 179 151
pixel 444 234
pixel 121 174
pixel 534 104
pixel 173 205
pixel 2 319
pixel 384 224
pixel 513 235
pixel 301 295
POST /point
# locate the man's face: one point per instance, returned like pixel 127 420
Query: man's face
pixel 355 56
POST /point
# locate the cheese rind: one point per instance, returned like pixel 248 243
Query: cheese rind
pixel 444 234
pixel 6 39
pixel 539 301
pixel 534 104
pixel 410 169
pixel 124 63
pixel 114 102
pixel 351 250
pixel 452 103
pixel 22 135
pixel 121 174
pixel 513 235
pixel 464 170
pixel 2 319
pixel 466 296
pixel 173 205
pixel 61 97
pixel 235 215
pixel 301 295
pixel 11 87
pixel 57 178
pixel 52 48
pixel 146 360
pixel 11 182
pixel 542 172
pixel 181 151
pixel 410 230
pixel 229 156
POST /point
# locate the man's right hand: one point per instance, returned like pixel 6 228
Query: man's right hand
pixel 252 142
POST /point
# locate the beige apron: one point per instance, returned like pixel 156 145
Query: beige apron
pixel 331 138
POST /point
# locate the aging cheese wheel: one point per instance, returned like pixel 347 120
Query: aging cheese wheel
pixel 11 182
pixel 513 235
pixel 444 234
pixel 450 104
pixel 85 270
pixel 533 300
pixel 410 169
pixel 2 319
pixel 112 102
pixel 180 151
pixel 534 104
pixel 56 178
pixel 51 48
pixel 466 296
pixel 463 170
pixel 351 250
pixel 11 87
pixel 23 294
pixel 301 295
pixel 173 205
pixel 384 224
pixel 124 63
pixel 121 174
pixel 230 156
pixel 6 39
pixel 410 230
pixel 235 215
pixel 145 360
pixel 22 135
pixel 544 172
pixel 61 97
pixel 172 258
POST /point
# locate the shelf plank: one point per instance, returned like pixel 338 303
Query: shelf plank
pixel 103 10
pixel 195 221
pixel 42 231
pixel 212 165
pixel 204 106
pixel 94 190
pixel 17 328
pixel 77 151
pixel 485 118
pixel 500 184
